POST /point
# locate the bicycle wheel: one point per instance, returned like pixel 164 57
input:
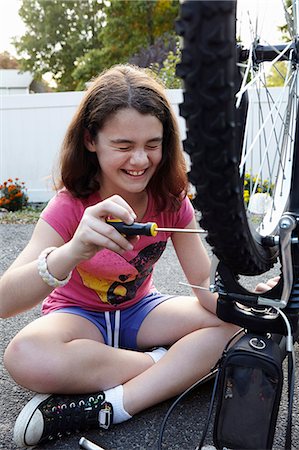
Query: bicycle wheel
pixel 240 133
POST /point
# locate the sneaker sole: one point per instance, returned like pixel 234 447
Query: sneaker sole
pixel 24 418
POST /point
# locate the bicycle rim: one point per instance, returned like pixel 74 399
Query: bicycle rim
pixel 241 132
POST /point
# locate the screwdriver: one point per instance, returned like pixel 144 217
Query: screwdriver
pixel 146 229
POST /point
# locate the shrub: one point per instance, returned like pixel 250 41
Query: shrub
pixel 167 72
pixel 261 186
pixel 13 195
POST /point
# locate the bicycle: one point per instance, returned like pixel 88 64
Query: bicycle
pixel 222 144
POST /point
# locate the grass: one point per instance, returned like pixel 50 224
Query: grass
pixel 29 215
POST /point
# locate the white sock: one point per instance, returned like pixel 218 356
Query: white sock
pixel 115 397
pixel 157 354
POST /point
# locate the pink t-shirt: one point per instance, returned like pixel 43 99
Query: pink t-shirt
pixel 109 281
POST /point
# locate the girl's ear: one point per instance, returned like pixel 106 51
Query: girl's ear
pixel 89 142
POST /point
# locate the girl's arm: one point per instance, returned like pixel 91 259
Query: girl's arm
pixel 195 263
pixel 21 287
pixel 196 266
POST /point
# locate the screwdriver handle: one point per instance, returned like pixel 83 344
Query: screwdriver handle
pixel 136 228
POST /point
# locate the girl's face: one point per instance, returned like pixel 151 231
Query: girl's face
pixel 129 150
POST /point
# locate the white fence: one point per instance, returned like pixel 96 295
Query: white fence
pixel 33 127
pixel 32 130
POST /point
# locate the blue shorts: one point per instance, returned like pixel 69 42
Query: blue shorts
pixel 119 328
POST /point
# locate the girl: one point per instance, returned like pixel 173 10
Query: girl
pixel 96 356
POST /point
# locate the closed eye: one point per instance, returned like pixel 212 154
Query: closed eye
pixel 154 143
pixel 152 147
pixel 124 145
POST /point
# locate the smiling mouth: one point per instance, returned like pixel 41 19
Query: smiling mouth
pixel 135 173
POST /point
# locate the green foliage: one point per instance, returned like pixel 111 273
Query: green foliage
pixel 57 33
pixel 277 74
pixel 87 67
pixel 251 183
pixel 157 52
pixel 7 61
pixel 13 195
pixel 130 26
pixel 134 25
pixel 28 215
pixel 284 28
pixel 76 39
pixel 167 73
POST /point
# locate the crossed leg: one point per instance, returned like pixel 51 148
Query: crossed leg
pixel 65 353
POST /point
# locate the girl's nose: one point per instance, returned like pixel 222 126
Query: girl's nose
pixel 139 156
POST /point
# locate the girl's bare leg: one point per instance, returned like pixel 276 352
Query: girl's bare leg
pixel 189 359
pixel 64 353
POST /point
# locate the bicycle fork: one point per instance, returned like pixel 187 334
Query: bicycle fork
pixel 285 239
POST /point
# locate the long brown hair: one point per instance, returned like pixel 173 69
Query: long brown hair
pixel 122 86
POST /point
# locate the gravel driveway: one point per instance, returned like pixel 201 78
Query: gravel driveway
pixel 186 421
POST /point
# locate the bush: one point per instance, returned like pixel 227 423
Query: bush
pixel 261 186
pixel 13 195
pixel 167 72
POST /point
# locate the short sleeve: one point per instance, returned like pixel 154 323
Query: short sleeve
pixel 185 214
pixel 179 218
pixel 63 213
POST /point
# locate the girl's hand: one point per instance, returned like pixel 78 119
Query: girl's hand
pixel 264 287
pixel 94 234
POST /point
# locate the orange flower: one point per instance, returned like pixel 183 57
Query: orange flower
pixel 13 195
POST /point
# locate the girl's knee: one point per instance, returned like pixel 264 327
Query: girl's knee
pixel 28 364
pixel 229 329
pixel 14 355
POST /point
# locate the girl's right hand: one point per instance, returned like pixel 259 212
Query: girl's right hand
pixel 94 234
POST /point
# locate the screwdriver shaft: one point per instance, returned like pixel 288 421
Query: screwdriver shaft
pixel 181 230
pixel 147 229
pixel 88 445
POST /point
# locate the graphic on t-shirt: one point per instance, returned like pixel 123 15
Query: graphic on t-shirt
pixel 101 273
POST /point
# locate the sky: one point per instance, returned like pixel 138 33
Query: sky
pixel 11 24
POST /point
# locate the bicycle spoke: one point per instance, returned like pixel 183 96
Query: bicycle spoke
pixel 269 133
pixel 241 131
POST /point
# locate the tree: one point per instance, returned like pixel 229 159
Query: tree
pixel 135 25
pixel 76 39
pixel 131 26
pixel 7 61
pixel 157 52
pixel 288 12
pixel 58 32
pixel 167 73
pixel 278 72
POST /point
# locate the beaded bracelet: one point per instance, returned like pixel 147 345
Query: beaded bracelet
pixel 44 272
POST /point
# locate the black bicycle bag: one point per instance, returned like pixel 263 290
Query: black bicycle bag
pixel 249 392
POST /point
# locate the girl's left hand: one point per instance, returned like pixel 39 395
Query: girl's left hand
pixel 264 287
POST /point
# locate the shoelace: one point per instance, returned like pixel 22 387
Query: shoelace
pixel 64 417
